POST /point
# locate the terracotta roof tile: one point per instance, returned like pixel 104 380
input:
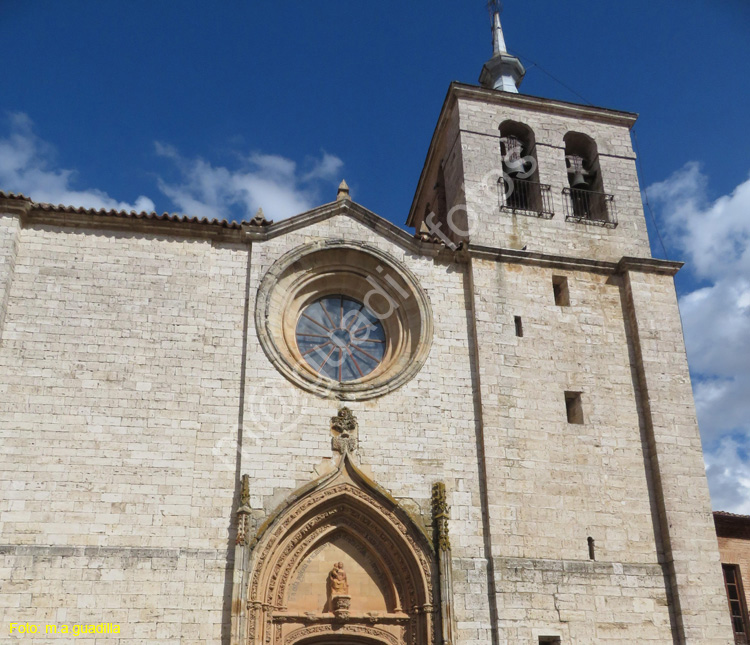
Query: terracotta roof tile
pixel 164 217
pixel 4 195
pixel 727 514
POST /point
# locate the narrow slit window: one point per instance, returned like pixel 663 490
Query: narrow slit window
pixel 560 289
pixel 573 407
pixel 519 326
pixel 592 549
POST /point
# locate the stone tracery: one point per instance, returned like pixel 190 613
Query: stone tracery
pixel 341 560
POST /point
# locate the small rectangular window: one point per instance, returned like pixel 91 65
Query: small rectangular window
pixel 573 407
pixel 736 599
pixel 519 326
pixel 560 289
pixel 553 640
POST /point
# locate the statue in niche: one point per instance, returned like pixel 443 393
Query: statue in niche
pixel 338 591
pixel 337 580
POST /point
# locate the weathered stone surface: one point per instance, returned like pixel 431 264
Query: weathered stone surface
pixel 134 394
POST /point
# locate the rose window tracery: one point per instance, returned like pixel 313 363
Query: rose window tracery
pixel 340 338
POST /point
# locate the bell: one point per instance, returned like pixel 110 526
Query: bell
pixel 512 149
pixel 515 166
pixel 578 181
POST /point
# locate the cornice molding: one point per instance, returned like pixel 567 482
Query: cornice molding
pixel 34 213
pixel 541 104
pixel 513 256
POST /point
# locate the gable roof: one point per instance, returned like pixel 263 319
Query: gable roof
pixel 355 211
pixel 257 228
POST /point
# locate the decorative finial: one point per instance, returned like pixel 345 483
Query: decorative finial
pixel 243 512
pixel 344 427
pixel 495 6
pixel 440 514
pixel 245 491
pixel 343 191
pixel 260 219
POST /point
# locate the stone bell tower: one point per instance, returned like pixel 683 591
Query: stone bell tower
pixel 518 171
pixel 593 455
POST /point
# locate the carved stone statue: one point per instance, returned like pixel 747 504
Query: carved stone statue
pixel 339 585
pixel 344 428
pixel 338 590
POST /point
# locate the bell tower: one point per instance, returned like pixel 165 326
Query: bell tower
pixel 588 428
pixel 517 171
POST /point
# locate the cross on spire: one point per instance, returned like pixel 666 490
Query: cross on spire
pixel 495 6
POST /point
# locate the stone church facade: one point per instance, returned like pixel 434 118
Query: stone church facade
pixel 329 430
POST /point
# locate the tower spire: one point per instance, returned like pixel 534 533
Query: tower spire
pixel 502 71
pixel 498 39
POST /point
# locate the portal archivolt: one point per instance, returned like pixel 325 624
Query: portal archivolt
pixel 340 563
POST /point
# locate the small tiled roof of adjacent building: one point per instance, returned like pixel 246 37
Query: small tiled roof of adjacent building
pixel 732 525
pixel 143 215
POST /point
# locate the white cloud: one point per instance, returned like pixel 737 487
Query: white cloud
pixel 729 474
pixel 714 235
pixel 25 167
pixel 269 181
pixel 328 168
pixel 202 189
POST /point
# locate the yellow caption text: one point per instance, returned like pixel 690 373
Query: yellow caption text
pixel 31 629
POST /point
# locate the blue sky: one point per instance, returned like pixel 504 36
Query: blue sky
pixel 216 108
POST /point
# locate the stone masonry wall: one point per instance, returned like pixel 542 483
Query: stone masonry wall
pixel 9 227
pixel 553 484
pixel 480 145
pixel 120 360
pixel 421 433
pixel 134 393
pixel 676 460
pixel 121 403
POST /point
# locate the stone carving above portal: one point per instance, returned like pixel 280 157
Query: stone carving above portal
pixel 344 427
pixel 338 591
pixel 378 635
pixel 338 584
pixel 340 558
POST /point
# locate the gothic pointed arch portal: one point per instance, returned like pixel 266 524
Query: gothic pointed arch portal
pixel 341 563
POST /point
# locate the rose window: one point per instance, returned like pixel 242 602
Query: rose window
pixel 340 338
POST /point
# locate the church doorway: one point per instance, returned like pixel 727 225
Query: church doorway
pixel 341 564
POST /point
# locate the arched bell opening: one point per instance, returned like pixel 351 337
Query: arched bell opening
pixel 587 198
pixel 341 561
pixel 520 188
